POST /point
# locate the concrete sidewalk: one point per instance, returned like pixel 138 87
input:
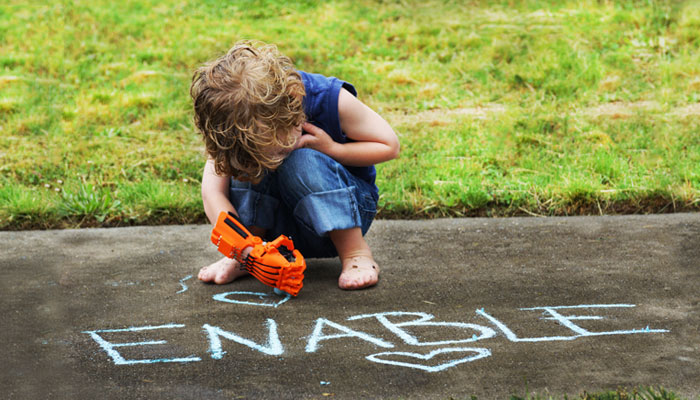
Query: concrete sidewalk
pixel 485 307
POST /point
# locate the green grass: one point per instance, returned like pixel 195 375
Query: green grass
pixel 503 108
pixel 642 393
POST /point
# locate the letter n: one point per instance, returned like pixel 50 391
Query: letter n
pixel 272 348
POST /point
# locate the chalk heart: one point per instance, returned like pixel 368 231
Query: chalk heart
pixel 252 298
pixel 422 361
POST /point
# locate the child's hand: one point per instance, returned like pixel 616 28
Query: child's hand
pixel 317 139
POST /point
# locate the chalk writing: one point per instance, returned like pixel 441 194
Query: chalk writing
pixel 390 358
pixel 118 359
pixel 395 322
pixel 566 322
pixel 182 283
pixel 275 300
pixel 272 348
pixel 318 335
pixel 424 320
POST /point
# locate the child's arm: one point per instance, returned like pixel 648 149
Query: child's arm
pixel 374 140
pixel 215 196
pixel 215 193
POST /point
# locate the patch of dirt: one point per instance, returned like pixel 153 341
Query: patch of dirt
pixel 620 110
pixel 691 110
pixel 651 205
pixel 441 117
pixel 616 110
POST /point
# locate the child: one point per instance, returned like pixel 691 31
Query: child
pixel 290 153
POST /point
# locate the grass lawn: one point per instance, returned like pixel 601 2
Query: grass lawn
pixel 502 107
pixel 642 393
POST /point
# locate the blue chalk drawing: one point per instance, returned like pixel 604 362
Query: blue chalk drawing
pixel 182 282
pixel 117 283
pixel 397 322
pixel 424 320
pixel 272 348
pixel 275 303
pixel 389 358
pixel 318 335
pixel 565 320
pixel 109 347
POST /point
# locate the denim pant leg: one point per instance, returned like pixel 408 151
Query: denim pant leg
pixel 323 196
pixel 309 195
pixel 256 204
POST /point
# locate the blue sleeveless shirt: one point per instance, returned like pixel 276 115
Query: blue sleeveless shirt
pixel 321 109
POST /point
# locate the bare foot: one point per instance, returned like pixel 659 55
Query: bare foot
pixel 358 272
pixel 223 271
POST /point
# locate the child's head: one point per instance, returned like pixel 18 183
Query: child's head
pixel 247 103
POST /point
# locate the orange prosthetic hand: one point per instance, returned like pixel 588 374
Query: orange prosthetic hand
pixel 275 264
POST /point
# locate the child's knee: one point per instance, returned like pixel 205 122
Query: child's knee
pixel 303 158
pixel 307 171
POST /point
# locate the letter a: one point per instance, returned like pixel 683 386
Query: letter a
pixel 318 335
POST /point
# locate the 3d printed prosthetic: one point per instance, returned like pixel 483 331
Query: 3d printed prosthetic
pixel 275 264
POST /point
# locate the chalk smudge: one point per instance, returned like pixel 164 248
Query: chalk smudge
pixel 224 297
pixel 182 282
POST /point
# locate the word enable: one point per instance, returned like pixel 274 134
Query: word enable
pixel 396 322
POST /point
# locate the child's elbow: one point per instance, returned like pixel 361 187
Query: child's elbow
pixel 394 149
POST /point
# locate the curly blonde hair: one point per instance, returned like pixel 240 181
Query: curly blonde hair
pixel 246 104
